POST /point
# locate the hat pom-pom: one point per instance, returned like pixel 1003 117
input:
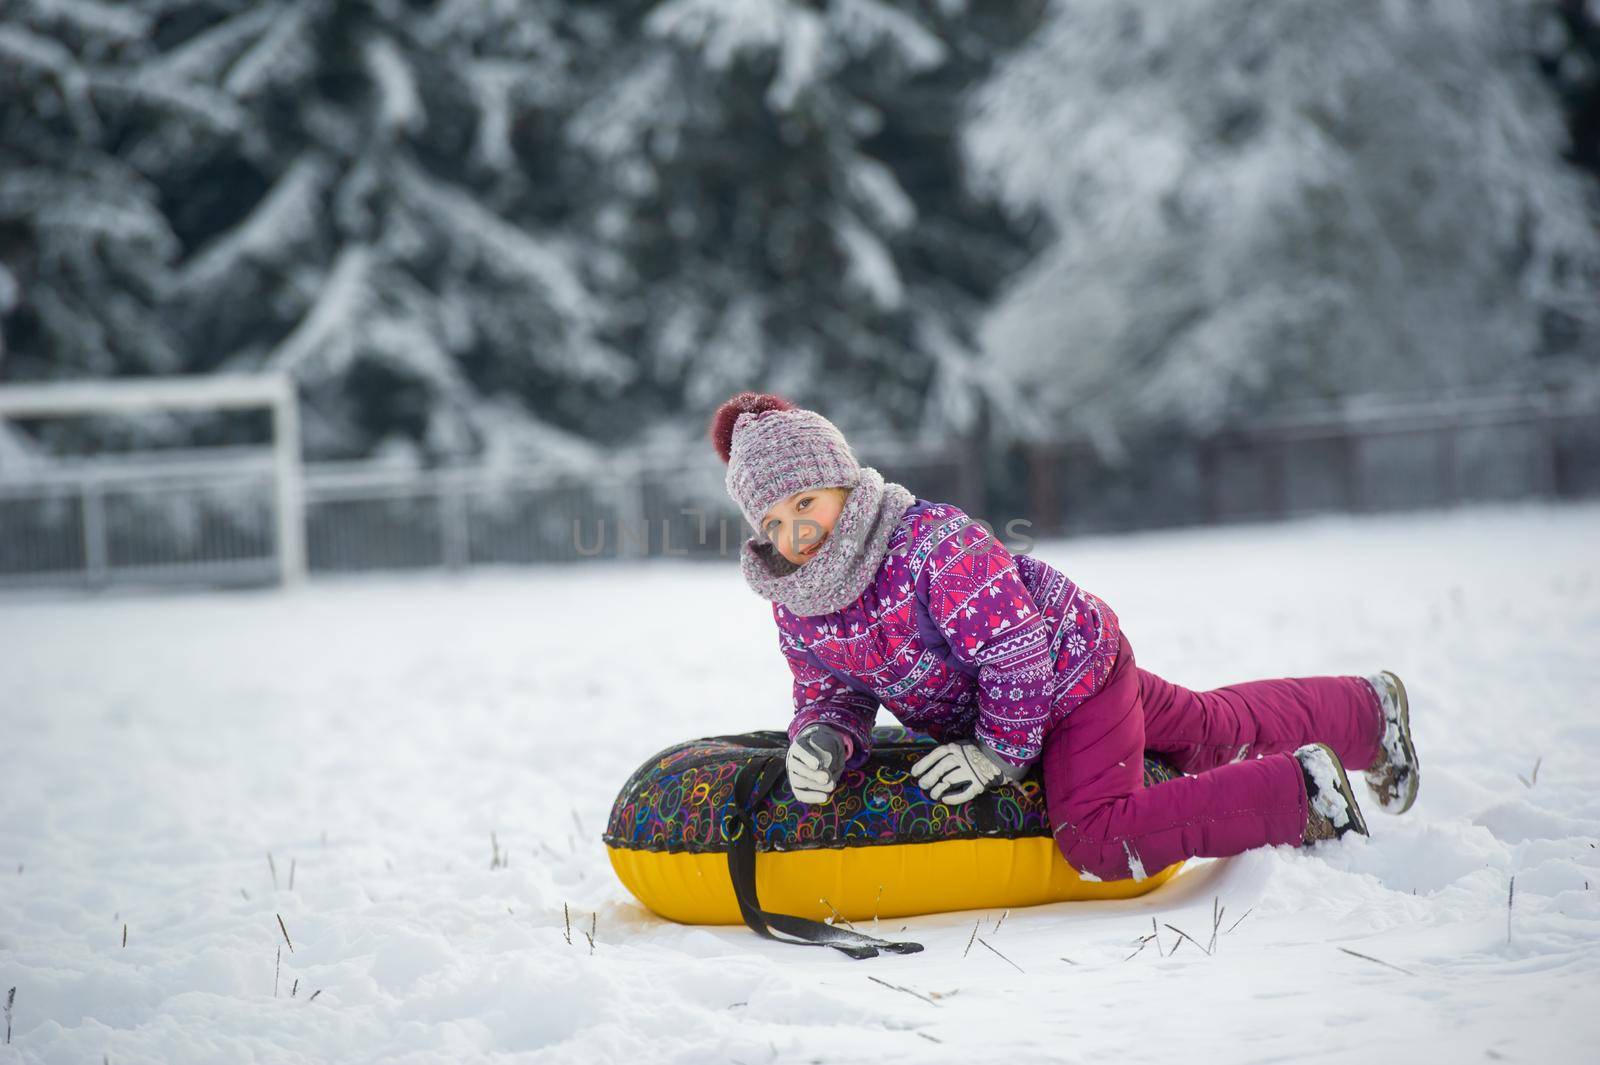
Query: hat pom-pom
pixel 728 413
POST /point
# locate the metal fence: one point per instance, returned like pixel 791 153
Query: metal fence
pixel 104 519
pixel 213 516
pixel 1369 455
pixel 210 517
pixel 210 520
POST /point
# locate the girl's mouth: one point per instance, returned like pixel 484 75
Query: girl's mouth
pixel 814 548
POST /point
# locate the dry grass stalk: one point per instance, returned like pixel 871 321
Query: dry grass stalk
pixel 286 939
pixel 1186 935
pixel 1380 961
pixel 1002 957
pixel 907 990
pixel 1511 894
pixel 836 916
pixel 274 867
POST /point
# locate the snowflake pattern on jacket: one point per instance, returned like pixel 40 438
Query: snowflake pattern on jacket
pixel 956 637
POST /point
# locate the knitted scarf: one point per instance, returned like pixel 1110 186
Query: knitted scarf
pixel 847 560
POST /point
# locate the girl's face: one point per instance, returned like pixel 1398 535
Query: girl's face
pixel 798 524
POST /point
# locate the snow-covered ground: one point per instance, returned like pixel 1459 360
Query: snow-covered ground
pixel 372 734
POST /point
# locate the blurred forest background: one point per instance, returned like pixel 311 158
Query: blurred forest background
pixel 533 234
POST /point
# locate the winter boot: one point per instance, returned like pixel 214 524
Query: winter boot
pixel 1332 803
pixel 1394 778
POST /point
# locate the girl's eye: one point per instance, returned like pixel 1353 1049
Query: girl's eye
pixel 803 502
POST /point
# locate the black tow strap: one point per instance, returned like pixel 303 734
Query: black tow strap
pixel 752 784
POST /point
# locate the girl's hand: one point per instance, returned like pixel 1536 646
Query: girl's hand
pixel 815 763
pixel 956 772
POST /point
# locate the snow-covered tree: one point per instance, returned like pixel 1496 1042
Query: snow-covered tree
pixel 778 200
pixel 1292 200
pixel 318 186
pixel 385 263
pixel 517 229
pixel 86 248
pixel 1569 55
pixel 507 227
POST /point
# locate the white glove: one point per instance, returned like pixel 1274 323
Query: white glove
pixel 815 763
pixel 956 772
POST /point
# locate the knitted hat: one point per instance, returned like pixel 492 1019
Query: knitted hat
pixel 774 449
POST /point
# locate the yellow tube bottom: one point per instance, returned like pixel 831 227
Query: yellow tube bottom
pixel 891 880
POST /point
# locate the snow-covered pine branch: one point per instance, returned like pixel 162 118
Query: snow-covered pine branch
pixel 1291 201
pixel 289 213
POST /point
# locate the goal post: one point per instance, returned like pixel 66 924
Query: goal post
pixel 273 392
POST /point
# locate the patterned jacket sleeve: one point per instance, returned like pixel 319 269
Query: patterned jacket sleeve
pixel 974 594
pixel 819 696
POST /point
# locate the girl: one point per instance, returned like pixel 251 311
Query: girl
pixel 881 597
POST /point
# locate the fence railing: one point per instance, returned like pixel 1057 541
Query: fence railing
pixel 123 516
pixel 211 518
pixel 215 516
pixel 1368 455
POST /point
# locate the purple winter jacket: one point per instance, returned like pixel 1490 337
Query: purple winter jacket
pixel 956 637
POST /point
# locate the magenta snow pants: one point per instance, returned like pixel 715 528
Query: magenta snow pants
pixel 1246 791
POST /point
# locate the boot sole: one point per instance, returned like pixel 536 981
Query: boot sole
pixel 1413 779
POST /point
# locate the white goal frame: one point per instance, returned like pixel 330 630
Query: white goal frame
pixel 274 392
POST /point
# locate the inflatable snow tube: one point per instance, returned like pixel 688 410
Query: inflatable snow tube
pixel 879 848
